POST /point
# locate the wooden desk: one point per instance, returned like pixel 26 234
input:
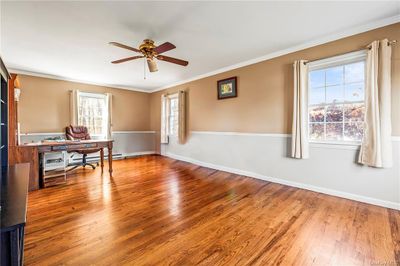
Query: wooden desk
pixel 30 152
pixel 14 194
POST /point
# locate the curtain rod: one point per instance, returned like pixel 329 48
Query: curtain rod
pixel 392 42
pixel 172 93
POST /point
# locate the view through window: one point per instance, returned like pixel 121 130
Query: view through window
pixel 173 116
pixel 336 103
pixel 93 113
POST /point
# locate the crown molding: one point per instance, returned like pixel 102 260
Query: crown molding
pixel 316 42
pixel 49 76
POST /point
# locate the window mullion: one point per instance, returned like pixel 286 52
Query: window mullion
pixel 344 94
pixel 326 107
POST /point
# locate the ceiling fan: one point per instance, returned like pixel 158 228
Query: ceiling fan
pixel 150 52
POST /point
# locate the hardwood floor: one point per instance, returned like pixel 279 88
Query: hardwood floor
pixel 158 211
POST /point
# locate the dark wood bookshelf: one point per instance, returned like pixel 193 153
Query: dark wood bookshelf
pixel 4 118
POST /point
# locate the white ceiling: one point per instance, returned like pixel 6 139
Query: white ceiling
pixel 70 39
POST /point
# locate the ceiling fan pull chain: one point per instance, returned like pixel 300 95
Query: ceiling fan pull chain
pixel 144 68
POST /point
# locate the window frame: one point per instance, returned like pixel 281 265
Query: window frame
pixel 99 96
pixel 169 98
pixel 331 62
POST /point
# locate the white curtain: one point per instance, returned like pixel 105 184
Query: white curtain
pixel 74 107
pixel 300 105
pixel 164 118
pixel 182 117
pixel 109 122
pixel 376 147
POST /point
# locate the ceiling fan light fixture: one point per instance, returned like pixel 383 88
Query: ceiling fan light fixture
pixel 152 65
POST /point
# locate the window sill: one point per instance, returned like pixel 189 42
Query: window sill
pixel 335 145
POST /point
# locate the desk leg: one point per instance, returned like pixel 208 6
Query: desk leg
pixel 110 169
pixel 102 159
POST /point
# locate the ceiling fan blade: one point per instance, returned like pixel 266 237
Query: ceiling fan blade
pixel 152 65
pixel 172 60
pixel 125 46
pixel 164 47
pixel 127 59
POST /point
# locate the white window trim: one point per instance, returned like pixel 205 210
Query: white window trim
pixel 344 59
pixel 94 95
pixel 172 96
pixel 331 142
pixel 338 60
pixel 335 145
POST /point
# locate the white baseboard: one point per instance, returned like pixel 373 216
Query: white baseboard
pixel 382 203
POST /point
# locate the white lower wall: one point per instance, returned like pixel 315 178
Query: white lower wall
pixel 126 143
pixel 130 143
pixel 331 169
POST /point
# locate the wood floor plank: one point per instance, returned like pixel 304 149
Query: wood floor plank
pixel 159 211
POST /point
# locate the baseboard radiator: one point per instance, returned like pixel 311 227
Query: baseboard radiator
pixel 96 158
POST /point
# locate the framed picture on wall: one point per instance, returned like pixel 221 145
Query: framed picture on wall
pixel 227 88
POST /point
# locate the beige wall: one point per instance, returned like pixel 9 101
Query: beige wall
pixel 264 102
pixel 45 105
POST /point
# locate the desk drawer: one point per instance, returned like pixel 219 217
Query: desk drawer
pixel 90 145
pixel 59 148
pixel 44 148
pixel 82 146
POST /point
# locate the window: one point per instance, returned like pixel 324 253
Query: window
pixel 336 98
pixel 173 115
pixel 93 113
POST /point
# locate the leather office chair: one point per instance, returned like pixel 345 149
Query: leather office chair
pixel 80 133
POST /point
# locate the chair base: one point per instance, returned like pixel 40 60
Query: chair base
pixel 84 163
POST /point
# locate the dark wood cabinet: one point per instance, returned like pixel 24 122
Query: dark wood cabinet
pixel 14 194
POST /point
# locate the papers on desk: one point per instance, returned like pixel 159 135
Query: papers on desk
pixel 33 143
pixel 48 141
pixel 52 140
pixel 60 140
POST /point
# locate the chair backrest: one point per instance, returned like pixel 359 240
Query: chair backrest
pixel 76 132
